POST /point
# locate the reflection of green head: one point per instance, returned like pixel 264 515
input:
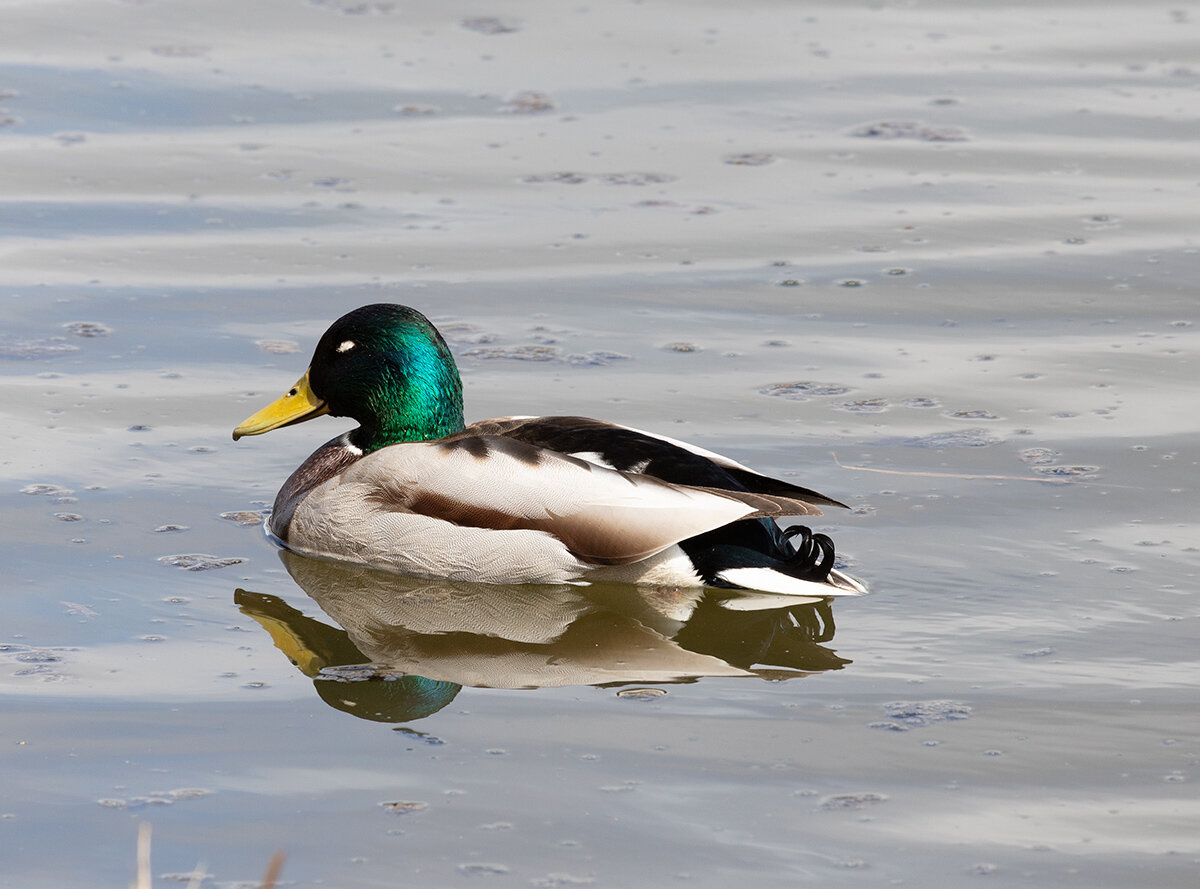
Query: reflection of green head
pixel 401 699
pixel 314 646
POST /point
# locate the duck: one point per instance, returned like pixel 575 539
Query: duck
pixel 415 490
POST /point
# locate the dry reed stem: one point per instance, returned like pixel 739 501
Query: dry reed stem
pixel 1004 478
pixel 274 866
pixel 143 881
pixel 143 856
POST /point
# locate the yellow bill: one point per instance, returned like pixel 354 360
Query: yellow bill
pixel 294 406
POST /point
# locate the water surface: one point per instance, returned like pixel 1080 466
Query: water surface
pixel 934 260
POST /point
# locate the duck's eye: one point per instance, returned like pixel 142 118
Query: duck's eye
pixel 346 345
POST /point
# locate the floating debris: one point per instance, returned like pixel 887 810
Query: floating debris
pixel 404 808
pixel 562 178
pixel 913 714
pixel 864 406
pixel 804 390
pixel 170 529
pixel 641 694
pixel 155 798
pixel 920 402
pixel 38 656
pixel 517 353
pixel 486 24
pixel 972 415
pixel 527 102
pixel 852 801
pixel 246 516
pixel 1039 456
pixel 341 183
pixel 87 329
pixel 46 490
pixel 1067 471
pixel 11 347
pixel 471 334
pixel 749 159
pixel 423 737
pixel 416 110
pixel 199 561
pixel 907 129
pixel 181 50
pixel 598 358
pixel 558 881
pixel 959 438
pixel 636 178
pixel 482 868
pixel 81 610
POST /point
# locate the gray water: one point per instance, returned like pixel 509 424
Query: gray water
pixel 936 260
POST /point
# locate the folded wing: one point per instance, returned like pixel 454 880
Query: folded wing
pixel 602 516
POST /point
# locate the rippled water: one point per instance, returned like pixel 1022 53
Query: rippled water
pixel 935 260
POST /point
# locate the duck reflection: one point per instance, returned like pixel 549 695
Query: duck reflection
pixel 407 646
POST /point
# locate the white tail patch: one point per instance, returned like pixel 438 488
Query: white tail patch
pixel 768 580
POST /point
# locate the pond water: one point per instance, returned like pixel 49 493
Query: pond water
pixel 936 260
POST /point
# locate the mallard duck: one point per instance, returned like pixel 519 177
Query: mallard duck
pixel 519 499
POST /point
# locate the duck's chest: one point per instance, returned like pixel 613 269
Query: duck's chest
pixel 325 463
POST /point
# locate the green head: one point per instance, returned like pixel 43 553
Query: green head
pixel 383 365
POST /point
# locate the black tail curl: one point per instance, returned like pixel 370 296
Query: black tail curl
pixel 813 555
